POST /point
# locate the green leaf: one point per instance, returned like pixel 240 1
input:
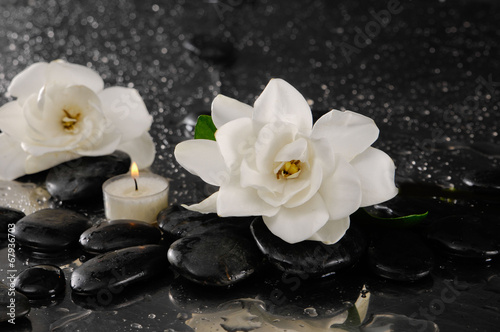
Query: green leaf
pixel 205 128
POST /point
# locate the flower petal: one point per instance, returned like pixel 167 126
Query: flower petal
pixel 12 121
pixel 296 150
pixel 28 82
pixel 349 133
pixel 202 157
pixel 270 140
pixel 236 141
pixel 35 164
pixel 341 191
pixel 236 201
pixel 141 150
pixel 208 205
pixel 304 194
pixel 376 171
pixel 63 73
pixel 332 232
pixel 282 102
pixel 299 223
pixel 225 109
pixel 249 177
pixel 100 145
pixel 125 108
pixel 12 158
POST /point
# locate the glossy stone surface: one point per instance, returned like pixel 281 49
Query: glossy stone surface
pixel 217 259
pixel 399 255
pixel 118 234
pixel 23 324
pixel 177 222
pixel 311 257
pixel 9 216
pixel 51 229
pixel 8 311
pixel 485 180
pixel 115 270
pixel 466 236
pixel 41 282
pixel 83 178
pixel 429 76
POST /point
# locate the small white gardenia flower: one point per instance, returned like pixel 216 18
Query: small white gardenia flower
pixel 62 112
pixel 269 160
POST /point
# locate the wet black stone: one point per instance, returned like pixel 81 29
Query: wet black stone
pixel 9 216
pixel 51 229
pixel 311 257
pixel 177 222
pixel 22 324
pixel 483 180
pixel 83 178
pixel 466 236
pixel 216 259
pixel 399 255
pixel 119 298
pixel 118 234
pixel 20 308
pixel 41 282
pixel 111 272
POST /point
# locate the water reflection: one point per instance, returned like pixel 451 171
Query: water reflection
pixel 26 197
pixel 248 314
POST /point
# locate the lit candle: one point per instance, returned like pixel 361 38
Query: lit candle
pixel 131 196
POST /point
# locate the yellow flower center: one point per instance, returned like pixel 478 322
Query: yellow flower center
pixel 289 170
pixel 69 120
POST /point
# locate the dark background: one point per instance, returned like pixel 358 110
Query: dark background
pixel 429 77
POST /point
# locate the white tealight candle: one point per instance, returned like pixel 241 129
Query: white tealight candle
pixel 131 196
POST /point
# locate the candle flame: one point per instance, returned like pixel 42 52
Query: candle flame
pixel 134 170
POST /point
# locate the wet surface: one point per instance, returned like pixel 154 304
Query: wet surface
pixel 426 71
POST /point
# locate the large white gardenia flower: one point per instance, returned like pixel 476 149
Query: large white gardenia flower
pixel 269 160
pixel 62 112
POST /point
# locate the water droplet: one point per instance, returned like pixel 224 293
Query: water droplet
pixel 182 316
pixel 311 312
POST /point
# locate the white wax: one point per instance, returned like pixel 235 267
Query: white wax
pixel 122 201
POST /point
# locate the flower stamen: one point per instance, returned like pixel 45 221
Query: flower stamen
pixel 289 170
pixel 69 121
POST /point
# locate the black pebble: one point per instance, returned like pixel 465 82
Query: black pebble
pixel 9 216
pixel 216 259
pixel 83 178
pixel 41 282
pixel 483 180
pixel 111 272
pixel 177 222
pixel 311 257
pixel 399 255
pixel 50 229
pixel 21 305
pixel 118 234
pixel 466 236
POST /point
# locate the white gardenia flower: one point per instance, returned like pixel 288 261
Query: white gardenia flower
pixel 269 160
pixel 62 112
